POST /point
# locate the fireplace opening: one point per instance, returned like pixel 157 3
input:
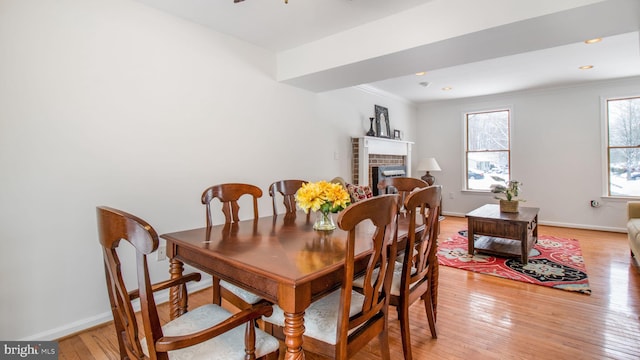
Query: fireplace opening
pixel 378 173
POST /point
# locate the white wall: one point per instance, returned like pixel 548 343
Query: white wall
pixel 108 102
pixel 345 105
pixel 556 151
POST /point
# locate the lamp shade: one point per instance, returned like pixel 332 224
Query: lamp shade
pixel 428 164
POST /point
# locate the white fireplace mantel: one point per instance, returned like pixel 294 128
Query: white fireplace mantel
pixel 381 146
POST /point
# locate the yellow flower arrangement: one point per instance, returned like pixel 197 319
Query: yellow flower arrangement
pixel 322 196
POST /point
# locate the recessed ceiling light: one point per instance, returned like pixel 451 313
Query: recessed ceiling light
pixel 593 41
pixel 447 88
pixel 586 67
pixel 421 73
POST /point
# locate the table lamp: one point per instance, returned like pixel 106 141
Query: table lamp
pixel 428 164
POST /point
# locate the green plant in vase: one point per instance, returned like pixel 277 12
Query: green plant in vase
pixel 511 191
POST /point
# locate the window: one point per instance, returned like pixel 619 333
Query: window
pixel 488 148
pixel 623 148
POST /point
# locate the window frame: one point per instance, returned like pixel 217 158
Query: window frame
pixel 606 166
pixel 465 118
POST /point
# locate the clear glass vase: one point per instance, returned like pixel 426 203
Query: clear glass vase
pixel 324 221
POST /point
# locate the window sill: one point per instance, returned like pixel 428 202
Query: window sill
pixel 620 198
pixel 487 192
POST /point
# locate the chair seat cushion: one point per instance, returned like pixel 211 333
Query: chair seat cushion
pixel 321 318
pixel 229 345
pixel 248 297
pixel 397 278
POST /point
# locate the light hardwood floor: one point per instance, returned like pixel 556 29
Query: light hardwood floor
pixel 485 317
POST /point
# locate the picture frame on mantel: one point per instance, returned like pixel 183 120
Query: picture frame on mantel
pixel 383 128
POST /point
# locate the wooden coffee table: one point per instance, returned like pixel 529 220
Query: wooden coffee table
pixel 507 234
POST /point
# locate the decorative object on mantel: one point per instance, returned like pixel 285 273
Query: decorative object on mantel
pixel 396 134
pixel 428 164
pixel 510 191
pixel 324 198
pixel 383 129
pixel 371 132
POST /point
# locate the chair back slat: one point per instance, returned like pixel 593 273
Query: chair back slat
pixel 123 313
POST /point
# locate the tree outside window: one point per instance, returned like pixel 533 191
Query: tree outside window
pixel 623 150
pixel 488 149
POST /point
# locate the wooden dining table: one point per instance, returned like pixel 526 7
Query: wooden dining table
pixel 280 258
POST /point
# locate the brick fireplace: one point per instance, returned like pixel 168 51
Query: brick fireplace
pixel 371 152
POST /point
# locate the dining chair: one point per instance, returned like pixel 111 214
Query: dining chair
pixel 344 321
pixel 416 277
pixel 288 189
pixel 229 194
pixel 207 332
pixel 403 185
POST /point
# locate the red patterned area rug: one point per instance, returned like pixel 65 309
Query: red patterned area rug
pixel 553 262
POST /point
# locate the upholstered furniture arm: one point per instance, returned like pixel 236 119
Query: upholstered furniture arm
pixel 169 343
pixel 134 294
pixel 633 209
pixel 339 180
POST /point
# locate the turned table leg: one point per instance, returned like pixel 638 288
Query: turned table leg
pixel 177 294
pixel 293 330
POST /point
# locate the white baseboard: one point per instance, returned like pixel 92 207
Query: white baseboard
pixel 87 323
pixel 586 227
pixel 558 224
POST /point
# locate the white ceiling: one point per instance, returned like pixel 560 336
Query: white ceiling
pixel 277 26
pixel 550 53
pixel 614 57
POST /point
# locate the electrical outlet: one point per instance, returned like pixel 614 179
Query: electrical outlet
pixel 595 203
pixel 161 253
